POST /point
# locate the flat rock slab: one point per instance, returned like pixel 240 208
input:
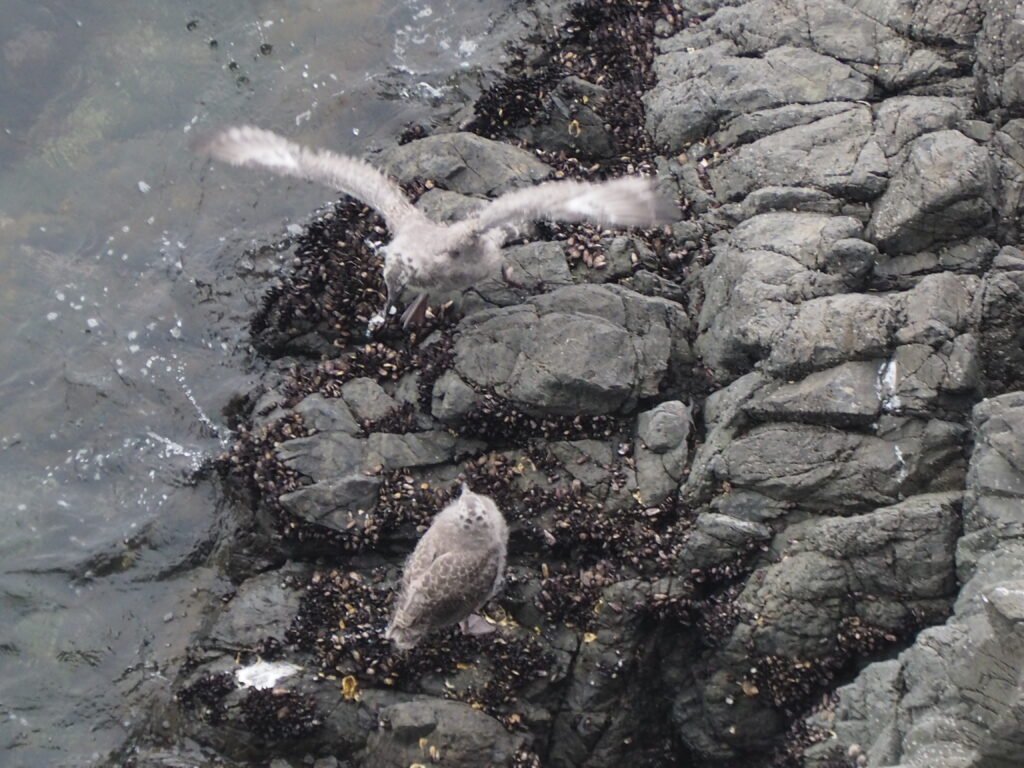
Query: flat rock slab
pixel 465 163
pixel 460 735
pixel 836 154
pixel 942 191
pixel 581 349
pixel 697 90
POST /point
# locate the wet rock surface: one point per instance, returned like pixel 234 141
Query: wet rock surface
pixel 763 474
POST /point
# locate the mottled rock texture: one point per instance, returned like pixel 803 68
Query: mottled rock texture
pixel 764 474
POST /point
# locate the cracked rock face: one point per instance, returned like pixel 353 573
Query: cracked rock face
pixel 954 696
pixel 580 349
pixel 763 471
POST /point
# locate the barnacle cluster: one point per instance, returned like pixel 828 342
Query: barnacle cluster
pixel 611 45
pixel 341 620
pixel 206 695
pixel 279 715
pixel 380 361
pixel 252 464
pixel 334 285
pixel 495 416
pixel 799 736
pixel 791 684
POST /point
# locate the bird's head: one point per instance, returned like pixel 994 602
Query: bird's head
pixel 396 276
pixel 399 272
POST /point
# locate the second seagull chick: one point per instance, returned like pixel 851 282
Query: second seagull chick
pixel 456 567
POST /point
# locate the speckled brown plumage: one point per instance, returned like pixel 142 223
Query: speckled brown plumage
pixel 456 567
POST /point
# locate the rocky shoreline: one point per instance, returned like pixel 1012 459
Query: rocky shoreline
pixel 764 473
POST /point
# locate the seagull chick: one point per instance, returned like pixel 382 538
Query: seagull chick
pixel 456 567
pixel 425 256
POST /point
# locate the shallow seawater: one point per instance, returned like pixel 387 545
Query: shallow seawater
pixel 124 297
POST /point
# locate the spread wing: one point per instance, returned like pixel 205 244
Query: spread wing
pixel 452 587
pixel 255 147
pixel 631 201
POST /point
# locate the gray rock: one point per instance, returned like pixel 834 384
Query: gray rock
pixel 621 254
pixel 902 119
pixel 846 395
pixel 607 687
pixel 580 349
pixel 899 551
pixel 327 415
pixel 448 207
pixel 452 398
pixel 749 127
pixel 835 154
pixel 718 538
pixel 936 309
pixel 834 29
pixel 658 475
pixel 650 284
pixel 903 271
pixel 995 480
pixel 262 608
pixel 917 374
pixel 661 449
pixel 335 502
pixel 533 267
pixel 878 568
pixel 793 199
pixel 573 122
pixel 331 454
pixel 954 22
pixel 724 419
pixel 665 426
pixel 955 696
pixel 697 90
pixel 998 314
pixel 590 463
pixel 833 329
pixel 824 469
pixel 941 191
pixel 1007 148
pixel 748 301
pixel 1009 258
pixel 464 163
pixel 367 399
pixel 999 74
pixel 808 238
pixel 417 449
pixel 462 736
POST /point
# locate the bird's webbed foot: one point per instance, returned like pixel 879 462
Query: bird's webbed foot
pixel 507 275
pixel 475 624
